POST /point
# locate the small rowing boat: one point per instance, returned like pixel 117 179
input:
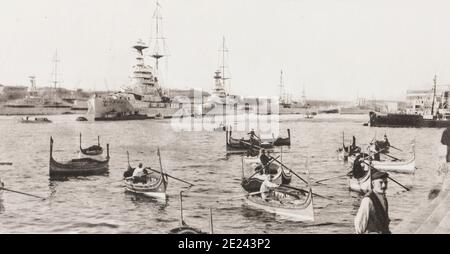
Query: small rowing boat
pixel 361 185
pixel 286 204
pixel 243 145
pixel 92 150
pixel 397 166
pixel 283 141
pixel 78 167
pixel 186 229
pixel 151 184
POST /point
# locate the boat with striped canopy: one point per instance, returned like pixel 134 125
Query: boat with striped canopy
pixel 78 167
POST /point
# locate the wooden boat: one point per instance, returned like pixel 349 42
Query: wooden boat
pixel 155 185
pixel 290 206
pixel 253 183
pixel 251 163
pixel 186 229
pixel 78 167
pixel 243 145
pixel 361 185
pixel 155 182
pixel 399 166
pixel 35 120
pixel 287 204
pixel 92 150
pixel 81 119
pixel 283 141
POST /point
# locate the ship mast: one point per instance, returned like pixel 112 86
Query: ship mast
pixel 281 87
pixel 434 95
pixel 224 50
pixel 55 75
pixel 158 18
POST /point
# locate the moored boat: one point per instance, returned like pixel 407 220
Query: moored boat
pixel 283 141
pixel 92 150
pixel 81 119
pixel 35 120
pixel 243 145
pixel 78 167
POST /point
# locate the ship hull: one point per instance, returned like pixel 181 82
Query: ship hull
pixel 404 120
pixel 121 109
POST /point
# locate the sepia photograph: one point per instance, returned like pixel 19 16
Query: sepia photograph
pixel 230 117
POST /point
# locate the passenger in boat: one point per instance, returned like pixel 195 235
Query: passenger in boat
pixel 266 187
pixel 373 216
pixel 445 140
pixel 139 174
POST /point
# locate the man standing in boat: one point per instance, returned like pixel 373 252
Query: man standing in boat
pixel 373 216
pixel 264 160
pixel 445 140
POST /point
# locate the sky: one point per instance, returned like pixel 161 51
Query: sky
pixel 335 50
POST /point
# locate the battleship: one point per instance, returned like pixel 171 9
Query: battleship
pixel 43 101
pixel 221 102
pixel 144 98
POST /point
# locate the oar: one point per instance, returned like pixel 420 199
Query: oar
pixel 171 177
pixel 305 191
pixel 242 196
pixel 268 164
pixel 406 188
pixel 128 158
pixel 289 170
pixel 396 148
pixel 390 156
pixel 326 179
pixel 6 163
pixel 23 193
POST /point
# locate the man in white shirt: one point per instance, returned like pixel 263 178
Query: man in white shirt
pixel 267 186
pixel 139 174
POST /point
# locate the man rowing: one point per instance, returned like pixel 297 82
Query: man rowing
pixel 353 148
pixel 373 216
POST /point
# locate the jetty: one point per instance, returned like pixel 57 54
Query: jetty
pixel 431 217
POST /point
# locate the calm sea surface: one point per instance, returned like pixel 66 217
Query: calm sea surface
pixel 99 204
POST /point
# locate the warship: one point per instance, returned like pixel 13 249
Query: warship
pixel 221 102
pixel 43 101
pixel 143 98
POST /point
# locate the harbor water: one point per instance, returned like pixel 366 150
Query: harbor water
pixel 99 204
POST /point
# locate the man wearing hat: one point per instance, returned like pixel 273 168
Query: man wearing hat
pixel 372 216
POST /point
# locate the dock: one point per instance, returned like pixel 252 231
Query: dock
pixel 431 217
